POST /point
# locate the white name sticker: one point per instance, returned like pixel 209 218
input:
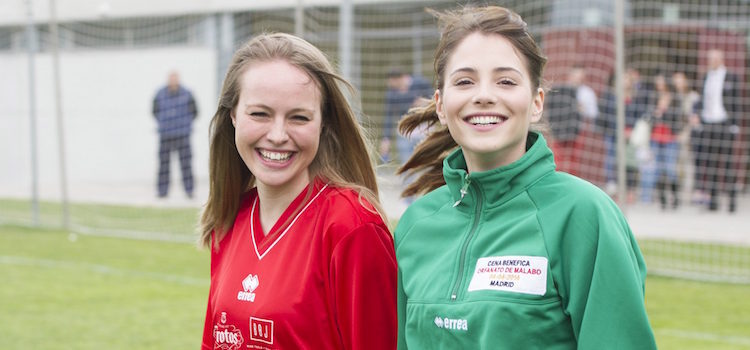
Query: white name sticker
pixel 520 274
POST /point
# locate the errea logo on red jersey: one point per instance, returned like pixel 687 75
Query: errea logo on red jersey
pixel 248 284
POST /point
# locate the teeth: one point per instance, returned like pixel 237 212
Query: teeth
pixel 484 120
pixel 277 156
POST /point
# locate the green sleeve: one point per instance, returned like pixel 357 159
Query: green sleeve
pixel 401 305
pixel 602 281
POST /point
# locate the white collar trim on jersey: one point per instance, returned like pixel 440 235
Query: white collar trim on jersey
pixel 252 220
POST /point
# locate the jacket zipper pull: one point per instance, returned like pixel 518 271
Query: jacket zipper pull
pixel 464 190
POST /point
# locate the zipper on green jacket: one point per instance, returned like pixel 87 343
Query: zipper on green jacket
pixel 477 212
pixel 464 190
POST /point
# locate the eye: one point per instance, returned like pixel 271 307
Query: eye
pixel 506 81
pixel 464 81
pixel 300 118
pixel 258 114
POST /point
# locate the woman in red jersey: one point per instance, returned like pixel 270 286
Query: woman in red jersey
pixel 300 255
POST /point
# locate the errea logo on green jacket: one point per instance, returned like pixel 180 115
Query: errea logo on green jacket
pixel 451 323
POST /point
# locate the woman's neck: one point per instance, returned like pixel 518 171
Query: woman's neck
pixel 274 201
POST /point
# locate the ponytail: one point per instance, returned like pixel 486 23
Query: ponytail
pixel 427 158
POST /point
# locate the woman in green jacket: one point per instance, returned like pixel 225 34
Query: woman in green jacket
pixel 504 252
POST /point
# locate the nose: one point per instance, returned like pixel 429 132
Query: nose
pixel 277 132
pixel 484 95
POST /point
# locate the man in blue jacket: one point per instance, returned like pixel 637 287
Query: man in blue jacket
pixel 174 109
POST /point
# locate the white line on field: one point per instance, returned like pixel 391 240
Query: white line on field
pixel 102 269
pixel 728 339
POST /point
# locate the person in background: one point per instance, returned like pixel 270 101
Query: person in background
pixel 585 95
pixel 404 92
pixel 564 116
pixel 719 112
pixel 686 99
pixel 503 251
pixel 572 109
pixel 667 124
pixel 657 91
pixel 635 104
pixel 588 107
pixel 174 109
pixel 301 257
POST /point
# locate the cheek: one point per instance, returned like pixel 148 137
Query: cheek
pixel 309 137
pixel 449 109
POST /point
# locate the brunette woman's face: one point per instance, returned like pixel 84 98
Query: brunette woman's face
pixel 488 101
pixel 278 124
pixel 679 81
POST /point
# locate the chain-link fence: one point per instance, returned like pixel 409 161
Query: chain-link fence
pixel 79 143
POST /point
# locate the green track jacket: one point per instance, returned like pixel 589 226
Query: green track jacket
pixel 519 257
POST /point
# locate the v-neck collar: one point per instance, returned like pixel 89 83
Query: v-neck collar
pixel 262 244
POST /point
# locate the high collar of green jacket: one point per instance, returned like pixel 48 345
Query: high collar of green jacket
pixel 500 184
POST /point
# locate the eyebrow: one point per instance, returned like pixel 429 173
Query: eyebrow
pixel 496 70
pixel 292 111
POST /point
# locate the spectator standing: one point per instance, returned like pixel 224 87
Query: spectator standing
pixel 686 100
pixel 564 116
pixel 573 107
pixel 667 125
pixel 174 109
pixel 635 102
pixel 585 95
pixel 404 92
pixel 720 112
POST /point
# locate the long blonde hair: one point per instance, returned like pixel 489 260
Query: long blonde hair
pixel 344 158
pixel 427 158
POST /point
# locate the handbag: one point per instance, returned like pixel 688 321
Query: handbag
pixel 640 137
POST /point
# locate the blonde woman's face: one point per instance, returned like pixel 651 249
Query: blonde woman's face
pixel 487 101
pixel 278 124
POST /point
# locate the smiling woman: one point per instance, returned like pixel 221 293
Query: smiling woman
pixel 502 240
pixel 277 134
pixel 283 194
pixel 486 102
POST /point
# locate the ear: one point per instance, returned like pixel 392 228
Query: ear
pixel 537 106
pixel 439 110
pixel 234 118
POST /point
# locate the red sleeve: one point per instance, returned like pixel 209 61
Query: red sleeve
pixel 208 325
pixel 208 328
pixel 363 280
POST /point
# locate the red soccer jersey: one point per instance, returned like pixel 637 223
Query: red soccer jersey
pixel 325 278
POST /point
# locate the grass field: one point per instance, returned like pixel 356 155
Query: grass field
pixel 64 291
pixel 111 218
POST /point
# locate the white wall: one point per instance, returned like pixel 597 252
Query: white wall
pixel 14 12
pixel 110 133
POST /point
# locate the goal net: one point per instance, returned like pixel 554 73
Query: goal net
pixel 669 143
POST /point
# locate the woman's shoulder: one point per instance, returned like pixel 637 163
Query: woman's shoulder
pixel 424 208
pixel 343 213
pixel 430 202
pixel 346 202
pixel 569 189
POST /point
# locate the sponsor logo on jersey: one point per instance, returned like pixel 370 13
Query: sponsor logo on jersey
pixel 227 337
pixel 248 284
pixel 456 324
pixel 261 330
pixel 516 274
